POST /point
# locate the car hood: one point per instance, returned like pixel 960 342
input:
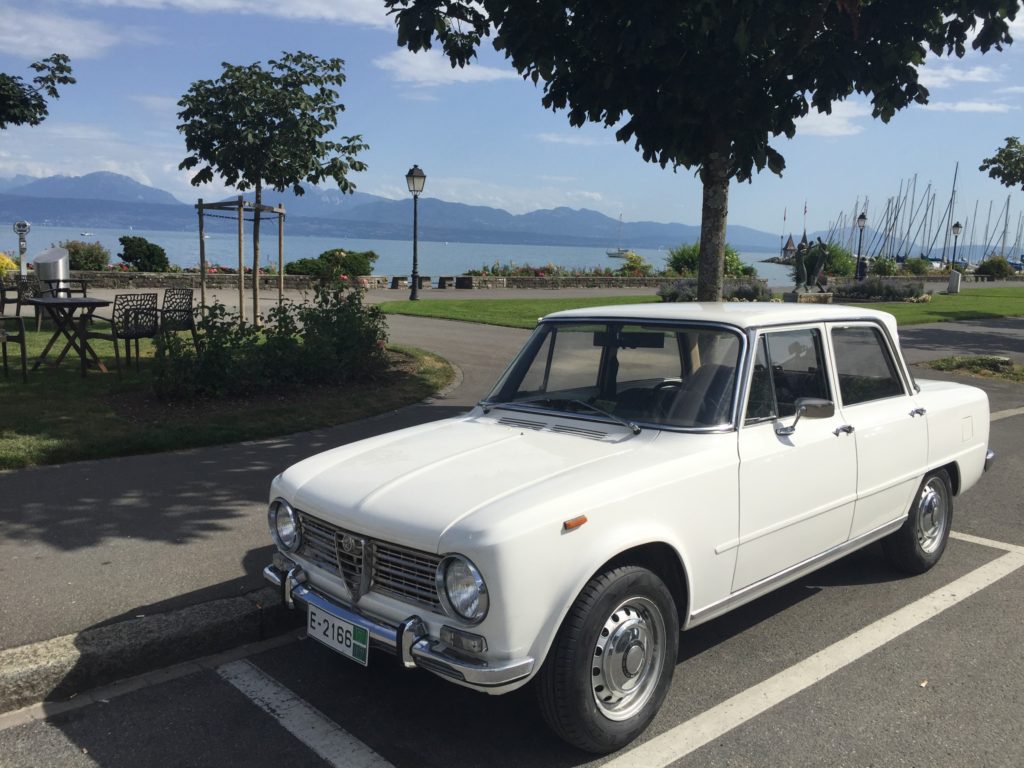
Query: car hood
pixel 411 486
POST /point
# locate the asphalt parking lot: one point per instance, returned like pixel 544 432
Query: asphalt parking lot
pixel 855 665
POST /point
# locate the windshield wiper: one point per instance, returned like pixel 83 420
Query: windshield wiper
pixel 617 419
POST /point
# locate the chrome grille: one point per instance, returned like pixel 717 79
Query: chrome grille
pixel 399 572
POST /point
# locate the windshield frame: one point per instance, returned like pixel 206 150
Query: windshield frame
pixel 531 348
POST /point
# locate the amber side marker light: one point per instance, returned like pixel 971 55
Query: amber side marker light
pixel 576 522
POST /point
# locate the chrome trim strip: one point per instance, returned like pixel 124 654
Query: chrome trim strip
pixel 410 640
pixel 766 585
pixel 990 458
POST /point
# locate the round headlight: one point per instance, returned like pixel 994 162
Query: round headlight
pixel 462 589
pixel 284 525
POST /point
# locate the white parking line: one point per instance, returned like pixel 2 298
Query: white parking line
pixel 1000 415
pixel 713 723
pixel 309 725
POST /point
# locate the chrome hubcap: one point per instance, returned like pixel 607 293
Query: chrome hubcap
pixel 628 658
pixel 932 515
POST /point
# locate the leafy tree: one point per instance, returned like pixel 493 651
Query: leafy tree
pixel 143 255
pixel 839 262
pixel 330 265
pixel 633 265
pixel 257 127
pixel 24 103
pixel 1007 165
pixel 707 85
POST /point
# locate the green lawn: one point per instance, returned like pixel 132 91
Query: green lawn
pixel 512 313
pixel 972 304
pixel 58 416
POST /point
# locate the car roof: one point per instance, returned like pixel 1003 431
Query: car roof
pixel 742 314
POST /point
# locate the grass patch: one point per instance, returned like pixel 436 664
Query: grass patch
pixel 511 313
pixel 971 304
pixel 59 416
pixel 988 366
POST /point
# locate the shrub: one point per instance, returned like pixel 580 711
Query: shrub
pixel 6 262
pixel 684 260
pixel 884 267
pixel 142 255
pixel 633 265
pixel 996 267
pixel 331 341
pixel 684 290
pixel 331 265
pixel 917 266
pixel 87 256
pixel 839 262
pixel 876 289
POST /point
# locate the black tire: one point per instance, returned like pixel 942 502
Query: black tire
pixel 611 664
pixel 919 544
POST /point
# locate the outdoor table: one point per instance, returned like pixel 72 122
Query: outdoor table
pixel 62 309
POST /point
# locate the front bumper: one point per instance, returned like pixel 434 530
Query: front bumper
pixel 409 640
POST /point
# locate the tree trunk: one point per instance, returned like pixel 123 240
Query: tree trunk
pixel 256 254
pixel 714 213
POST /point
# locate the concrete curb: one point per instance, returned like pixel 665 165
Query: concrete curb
pixel 53 670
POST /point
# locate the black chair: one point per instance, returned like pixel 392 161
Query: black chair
pixel 134 316
pixel 7 337
pixel 8 292
pixel 176 314
pixel 29 287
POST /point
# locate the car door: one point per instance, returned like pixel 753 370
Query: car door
pixel 797 491
pixel 890 431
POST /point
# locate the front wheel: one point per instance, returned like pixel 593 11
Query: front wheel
pixel 612 661
pixel 919 544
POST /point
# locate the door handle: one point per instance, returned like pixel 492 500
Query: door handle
pixel 918 412
pixel 845 428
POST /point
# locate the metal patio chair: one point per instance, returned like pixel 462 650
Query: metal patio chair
pixel 17 337
pixel 176 314
pixel 134 316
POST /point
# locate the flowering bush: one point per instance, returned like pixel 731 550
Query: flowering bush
pixel 6 262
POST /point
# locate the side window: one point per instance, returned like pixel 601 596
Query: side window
pixel 865 367
pixel 787 365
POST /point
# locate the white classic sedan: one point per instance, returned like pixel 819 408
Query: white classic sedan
pixel 636 471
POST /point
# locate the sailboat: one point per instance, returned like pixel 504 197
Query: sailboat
pixel 620 252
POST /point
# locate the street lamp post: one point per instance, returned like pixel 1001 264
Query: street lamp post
pixel 862 221
pixel 415 178
pixel 957 229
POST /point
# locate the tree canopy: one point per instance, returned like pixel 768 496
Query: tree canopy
pixel 1007 165
pixel 23 103
pixel 707 85
pixel 257 127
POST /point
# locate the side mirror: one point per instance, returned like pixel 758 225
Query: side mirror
pixel 812 408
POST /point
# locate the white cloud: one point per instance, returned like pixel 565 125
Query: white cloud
pixel 162 106
pixel 433 68
pixel 842 122
pixel 968 106
pixel 362 12
pixel 1012 89
pixel 35 35
pixel 575 139
pixel 941 76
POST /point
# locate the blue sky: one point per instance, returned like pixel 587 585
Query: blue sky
pixel 480 133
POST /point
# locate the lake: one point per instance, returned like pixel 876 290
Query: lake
pixel 435 258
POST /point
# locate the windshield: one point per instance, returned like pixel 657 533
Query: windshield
pixel 672 375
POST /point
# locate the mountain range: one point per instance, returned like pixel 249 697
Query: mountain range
pixel 110 200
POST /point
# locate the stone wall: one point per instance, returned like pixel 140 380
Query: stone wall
pixel 115 279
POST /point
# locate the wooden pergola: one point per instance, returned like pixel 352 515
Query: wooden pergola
pixel 238 207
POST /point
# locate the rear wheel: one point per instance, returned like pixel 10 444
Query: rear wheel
pixel 919 544
pixel 612 661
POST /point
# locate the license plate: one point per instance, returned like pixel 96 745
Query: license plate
pixel 338 635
